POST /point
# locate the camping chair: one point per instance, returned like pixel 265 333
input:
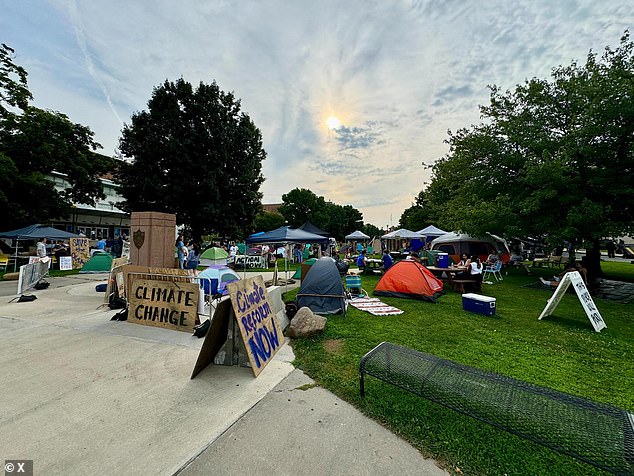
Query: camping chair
pixel 353 287
pixel 494 269
pixel 4 262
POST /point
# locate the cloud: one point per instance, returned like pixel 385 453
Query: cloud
pixel 358 137
pixel 397 74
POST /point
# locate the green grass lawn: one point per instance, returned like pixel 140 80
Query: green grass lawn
pixel 561 352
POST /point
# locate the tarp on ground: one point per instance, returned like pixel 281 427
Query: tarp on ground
pixel 310 228
pixel 285 234
pixel 35 232
pixel 409 279
pixel 357 235
pixel 322 290
pixel 101 262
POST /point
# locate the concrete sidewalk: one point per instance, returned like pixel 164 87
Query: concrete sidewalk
pixel 301 429
pixel 85 395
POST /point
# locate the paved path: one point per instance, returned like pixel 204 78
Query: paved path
pixel 85 395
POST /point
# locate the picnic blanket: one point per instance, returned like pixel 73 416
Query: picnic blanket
pixel 374 306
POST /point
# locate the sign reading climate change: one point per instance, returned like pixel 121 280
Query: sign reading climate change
pixel 163 304
pixel 260 331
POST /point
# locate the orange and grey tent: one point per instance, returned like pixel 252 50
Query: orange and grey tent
pixel 409 279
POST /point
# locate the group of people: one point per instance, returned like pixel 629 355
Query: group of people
pixel 362 260
pixel 188 255
pixel 473 266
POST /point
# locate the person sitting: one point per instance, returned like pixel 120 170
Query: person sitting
pixel 475 268
pixel 387 260
pixel 362 261
pixel 576 266
pixel 473 271
pixel 464 261
pixel 413 256
pixel 493 258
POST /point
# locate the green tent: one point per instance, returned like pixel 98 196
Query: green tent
pixel 214 253
pixel 101 262
pixel 306 265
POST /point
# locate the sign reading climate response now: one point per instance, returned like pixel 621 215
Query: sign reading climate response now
pixel 168 304
pixel 254 314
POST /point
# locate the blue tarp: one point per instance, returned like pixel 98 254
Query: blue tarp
pixel 35 232
pixel 285 234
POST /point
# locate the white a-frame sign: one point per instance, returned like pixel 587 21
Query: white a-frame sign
pixel 584 297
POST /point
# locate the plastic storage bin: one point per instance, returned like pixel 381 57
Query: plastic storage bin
pixel 479 304
pixel 443 260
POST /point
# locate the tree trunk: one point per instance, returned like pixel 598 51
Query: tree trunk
pixel 592 261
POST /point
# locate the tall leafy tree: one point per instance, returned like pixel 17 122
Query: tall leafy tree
pixel 301 205
pixel 34 143
pixel 267 221
pixel 553 158
pixel 195 154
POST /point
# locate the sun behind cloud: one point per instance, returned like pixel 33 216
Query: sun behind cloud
pixel 333 123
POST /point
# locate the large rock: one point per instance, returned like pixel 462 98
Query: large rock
pixel 306 324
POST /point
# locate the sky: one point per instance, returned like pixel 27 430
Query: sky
pixel 353 98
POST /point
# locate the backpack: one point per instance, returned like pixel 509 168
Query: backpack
pixel 291 309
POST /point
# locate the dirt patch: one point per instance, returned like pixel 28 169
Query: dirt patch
pixel 333 346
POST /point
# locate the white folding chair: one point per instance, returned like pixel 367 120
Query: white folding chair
pixel 495 270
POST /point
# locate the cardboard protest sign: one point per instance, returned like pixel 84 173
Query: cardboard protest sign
pixel 65 263
pixel 217 338
pixel 250 262
pixel 261 333
pixel 79 251
pixel 164 304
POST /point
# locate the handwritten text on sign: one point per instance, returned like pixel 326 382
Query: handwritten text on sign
pixel 163 304
pixel 243 261
pixel 260 331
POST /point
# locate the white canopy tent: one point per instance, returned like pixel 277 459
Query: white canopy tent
pixel 357 235
pixel 402 234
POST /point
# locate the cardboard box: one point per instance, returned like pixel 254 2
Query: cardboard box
pixel 479 304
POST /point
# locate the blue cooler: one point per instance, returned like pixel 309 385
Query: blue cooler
pixel 443 260
pixel 479 304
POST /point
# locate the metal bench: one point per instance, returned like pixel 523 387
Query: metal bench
pixel 599 434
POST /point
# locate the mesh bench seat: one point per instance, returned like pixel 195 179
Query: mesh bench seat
pixel 599 434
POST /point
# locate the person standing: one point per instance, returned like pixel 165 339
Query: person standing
pixel 180 251
pixel 41 248
pixel 611 248
pixel 193 257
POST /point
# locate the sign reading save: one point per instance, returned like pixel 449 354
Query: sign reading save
pixel 168 304
pixel 260 330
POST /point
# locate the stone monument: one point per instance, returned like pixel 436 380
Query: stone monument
pixel 152 240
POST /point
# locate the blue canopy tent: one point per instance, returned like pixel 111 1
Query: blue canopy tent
pixel 35 232
pixel 285 234
pixel 310 228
